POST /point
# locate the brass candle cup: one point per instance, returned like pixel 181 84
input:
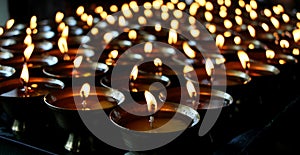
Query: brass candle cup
pixel 67 113
pixel 39 47
pixel 172 120
pixel 6 72
pixel 27 109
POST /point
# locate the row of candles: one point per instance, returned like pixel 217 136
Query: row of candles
pixel 253 42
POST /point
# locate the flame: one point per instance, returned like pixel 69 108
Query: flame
pixel 157 4
pixel 253 4
pixel 84 17
pixel 62 45
pixel 90 20
pixel 251 30
pixel 193 8
pixel 108 37
pixel 227 23
pixel 209 6
pixel 172 36
pixel 265 27
pixel 28 51
pixel 77 61
pixel 239 20
pixel 244 59
pixel 267 12
pixel 134 73
pixel 28 40
pixel 298 15
pixel 208 16
pixel 228 3
pixel 113 8
pixel 212 28
pixel 223 13
pixel 98 9
pixel 181 5
pixel 10 23
pixel 111 19
pixel 275 22
pixel 151 101
pixel 85 90
pixel 209 66
pixel 220 40
pixel 65 32
pixel 284 43
pixel 170 6
pixel 238 11
pixel 126 11
pixel 132 35
pixel 270 54
pixel 80 10
pixel 192 20
pixel 191 89
pixel 33 22
pixel 188 50
pixel 157 27
pixel 227 34
pixel 248 8
pixel 237 40
pixel 253 14
pixel 103 14
pixel 241 3
pixel 220 2
pixel 25 73
pixel 296 51
pixel 142 20
pixel 195 33
pixel 113 54
pixel 148 47
pixel 28 31
pixel 276 10
pixel 164 15
pixel 1 31
pixel 59 17
pixel 148 13
pixel 133 5
pixel 296 35
pixel 187 69
pixel 174 24
pixel 157 62
pixel 285 18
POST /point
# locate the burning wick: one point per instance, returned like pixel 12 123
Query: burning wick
pixel 84 93
pixel 151 105
pixel 247 67
pixel 192 93
pixel 24 78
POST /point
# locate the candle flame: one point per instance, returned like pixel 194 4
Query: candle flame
pixel 284 43
pixel 126 11
pixel 1 31
pixel 132 35
pixel 265 27
pixel 113 54
pixel 223 13
pixel 253 4
pixel 113 8
pixel 28 31
pixel 238 11
pixel 157 27
pixel 10 23
pixel 267 13
pixel 296 35
pixel 77 61
pixel 208 16
pixel 90 20
pixel 61 26
pixel 285 18
pixel 111 19
pixel 191 89
pixel 80 10
pixel 122 21
pixel 209 6
pixel 84 17
pixel 59 16
pixel 28 51
pixel 142 20
pixel 85 90
pixel 33 22
pixel 25 73
pixel 188 50
pixel 253 14
pixel 133 5
pixel 193 8
pixel 98 9
pixel 174 24
pixel 296 51
pixel 164 15
pixel 212 28
pixel 227 23
pixel 28 40
pixel 270 54
pixel 172 36
pixel 62 45
pixel 151 102
pixel 134 73
pixel 275 22
pixel 220 40
pixel 209 66
pixel 239 20
pixel 181 5
pixel 244 59
pixel 148 47
pixel 237 40
pixel 251 30
pixel 108 37
pixel 195 33
pixel 187 69
pixel 148 13
pixel 157 62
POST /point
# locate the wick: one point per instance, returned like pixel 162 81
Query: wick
pixel 26 89
pixel 151 120
pixel 84 100
pixel 211 79
pixel 66 57
pixel 247 66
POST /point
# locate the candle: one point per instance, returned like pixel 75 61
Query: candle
pixel 21 98
pixel 68 104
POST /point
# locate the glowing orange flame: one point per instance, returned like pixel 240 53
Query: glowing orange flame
pixel 244 59
pixel 113 54
pixel 148 47
pixel 296 35
pixel 157 62
pixel 28 40
pixel 188 50
pixel 251 30
pixel 65 32
pixel 85 90
pixel 10 23
pixel 77 61
pixel 90 20
pixel 209 66
pixel 134 73
pixel 172 36
pixel 33 22
pixel 265 27
pixel 187 69
pixel 25 73
pixel 62 45
pixel 284 43
pixel 1 31
pixel 151 102
pixel 275 22
pixel 28 51
pixel 270 54
pixel 208 16
pixel 191 89
pixel 132 34
pixel 237 40
pixel 80 10
pixel 220 40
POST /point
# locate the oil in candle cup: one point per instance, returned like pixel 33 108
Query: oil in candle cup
pixel 165 123
pixel 22 99
pixel 92 102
